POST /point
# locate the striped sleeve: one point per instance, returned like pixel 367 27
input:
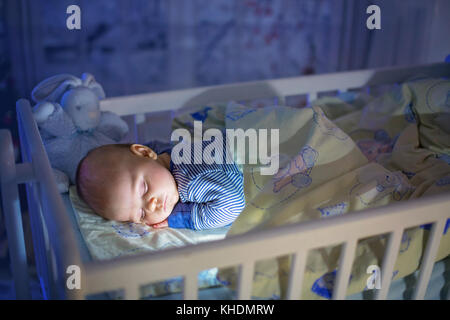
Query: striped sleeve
pixel 215 199
pixel 212 192
pixel 221 199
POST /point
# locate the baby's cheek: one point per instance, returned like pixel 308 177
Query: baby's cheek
pixel 170 207
pixel 152 219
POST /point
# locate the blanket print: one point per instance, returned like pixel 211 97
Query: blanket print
pixel 326 126
pixel 334 210
pixel 295 174
pixel 238 114
pixel 130 230
pixel 393 185
pixel 381 143
pixel 298 170
pixel 201 115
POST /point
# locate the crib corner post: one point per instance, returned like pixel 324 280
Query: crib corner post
pixel 13 216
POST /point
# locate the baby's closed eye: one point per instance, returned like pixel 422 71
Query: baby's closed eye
pixel 144 190
pixel 142 215
pixel 145 187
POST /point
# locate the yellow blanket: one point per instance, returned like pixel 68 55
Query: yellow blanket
pixel 338 157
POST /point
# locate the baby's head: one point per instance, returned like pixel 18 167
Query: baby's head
pixel 127 182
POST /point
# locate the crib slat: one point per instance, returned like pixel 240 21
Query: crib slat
pixel 245 280
pixel 296 275
pixel 345 267
pixel 428 259
pixel 190 286
pixel 312 96
pixel 389 260
pixel 281 101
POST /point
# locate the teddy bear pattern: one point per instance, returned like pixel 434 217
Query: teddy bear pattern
pixel 71 123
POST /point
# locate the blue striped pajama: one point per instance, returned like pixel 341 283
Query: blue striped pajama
pixel 211 195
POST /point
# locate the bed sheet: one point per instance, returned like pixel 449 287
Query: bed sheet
pixel 337 156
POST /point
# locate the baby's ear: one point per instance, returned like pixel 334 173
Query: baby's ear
pixel 143 151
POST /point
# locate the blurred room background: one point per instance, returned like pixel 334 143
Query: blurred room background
pixel 137 46
pixel 149 45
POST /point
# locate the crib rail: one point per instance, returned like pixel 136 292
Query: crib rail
pixel 311 85
pixel 13 218
pixel 129 273
pixel 53 238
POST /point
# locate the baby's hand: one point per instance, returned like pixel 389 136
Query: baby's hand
pixel 160 225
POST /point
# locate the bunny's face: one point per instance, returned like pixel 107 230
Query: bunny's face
pixel 83 106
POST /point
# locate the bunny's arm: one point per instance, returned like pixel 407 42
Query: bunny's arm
pixel 112 126
pixel 52 119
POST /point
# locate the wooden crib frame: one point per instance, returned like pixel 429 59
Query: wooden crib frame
pixel 54 239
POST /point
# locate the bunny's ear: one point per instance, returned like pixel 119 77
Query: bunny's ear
pixel 52 89
pixel 89 82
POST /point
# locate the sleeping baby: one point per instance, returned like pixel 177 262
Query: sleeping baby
pixel 141 184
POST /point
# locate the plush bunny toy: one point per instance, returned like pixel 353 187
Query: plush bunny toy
pixel 71 123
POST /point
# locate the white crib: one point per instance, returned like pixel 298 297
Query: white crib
pixel 56 247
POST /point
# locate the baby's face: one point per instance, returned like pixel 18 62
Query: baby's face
pixel 145 190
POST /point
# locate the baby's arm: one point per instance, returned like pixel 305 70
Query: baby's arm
pixel 218 206
pixel 181 216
